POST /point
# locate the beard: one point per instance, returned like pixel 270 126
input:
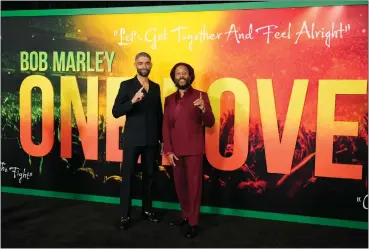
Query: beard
pixel 185 86
pixel 143 72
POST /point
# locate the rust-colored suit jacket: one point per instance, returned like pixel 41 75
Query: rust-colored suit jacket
pixel 183 123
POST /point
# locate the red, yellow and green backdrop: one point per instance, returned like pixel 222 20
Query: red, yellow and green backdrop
pixel 287 83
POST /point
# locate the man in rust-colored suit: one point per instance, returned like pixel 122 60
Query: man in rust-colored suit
pixel 186 112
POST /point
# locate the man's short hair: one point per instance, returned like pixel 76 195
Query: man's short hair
pixel 189 68
pixel 142 54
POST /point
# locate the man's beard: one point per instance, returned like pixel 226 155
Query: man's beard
pixel 183 87
pixel 143 72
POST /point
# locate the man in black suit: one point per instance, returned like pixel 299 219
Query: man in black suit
pixel 139 100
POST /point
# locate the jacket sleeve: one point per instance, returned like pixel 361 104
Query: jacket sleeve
pixel 208 116
pixel 166 129
pixel 122 103
pixel 160 115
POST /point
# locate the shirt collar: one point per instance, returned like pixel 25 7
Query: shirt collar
pixel 188 91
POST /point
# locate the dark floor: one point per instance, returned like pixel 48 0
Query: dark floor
pixel 29 221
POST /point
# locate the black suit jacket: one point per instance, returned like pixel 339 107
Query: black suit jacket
pixel 144 119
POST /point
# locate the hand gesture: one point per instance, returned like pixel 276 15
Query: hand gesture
pixel 138 96
pixel 200 103
pixel 171 158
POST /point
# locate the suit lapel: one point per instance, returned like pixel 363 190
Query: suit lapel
pixel 179 103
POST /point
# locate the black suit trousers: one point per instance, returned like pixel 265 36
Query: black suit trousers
pixel 149 166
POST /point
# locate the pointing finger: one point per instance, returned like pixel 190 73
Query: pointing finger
pixel 200 95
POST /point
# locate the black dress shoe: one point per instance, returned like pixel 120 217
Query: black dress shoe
pixel 180 222
pixel 150 216
pixel 192 232
pixel 124 223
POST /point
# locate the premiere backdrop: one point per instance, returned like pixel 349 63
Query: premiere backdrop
pixel 288 87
